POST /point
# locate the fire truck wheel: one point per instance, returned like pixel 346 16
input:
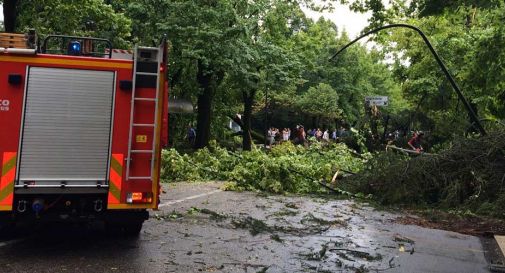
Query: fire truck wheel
pixel 131 229
pixel 7 226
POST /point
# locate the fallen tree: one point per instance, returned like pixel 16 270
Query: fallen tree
pixel 284 168
pixel 470 175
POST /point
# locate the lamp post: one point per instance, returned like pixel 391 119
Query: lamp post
pixel 461 97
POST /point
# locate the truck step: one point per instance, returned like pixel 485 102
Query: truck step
pixel 145 99
pixel 139 177
pixel 142 151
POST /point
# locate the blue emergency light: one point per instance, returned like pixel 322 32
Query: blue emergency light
pixel 74 48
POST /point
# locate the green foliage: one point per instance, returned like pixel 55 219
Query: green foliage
pixel 331 93
pixel 180 168
pixel 287 168
pixel 468 35
pixel 79 18
pixel 231 50
pixel 467 175
pixel 321 100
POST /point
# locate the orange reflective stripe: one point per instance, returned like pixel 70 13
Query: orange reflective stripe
pixel 7 180
pixel 114 188
pixel 115 179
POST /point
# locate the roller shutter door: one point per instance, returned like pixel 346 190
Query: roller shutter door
pixel 67 126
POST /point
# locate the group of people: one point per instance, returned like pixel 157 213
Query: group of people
pixel 300 136
pixel 326 134
pixel 273 134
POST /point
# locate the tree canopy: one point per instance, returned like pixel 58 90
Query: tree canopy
pixel 227 55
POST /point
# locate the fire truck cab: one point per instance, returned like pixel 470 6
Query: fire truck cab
pixel 82 126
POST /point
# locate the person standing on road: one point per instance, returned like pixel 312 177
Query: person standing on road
pixel 301 135
pixel 310 132
pixel 285 134
pixel 334 135
pixel 319 134
pixel 271 137
pixel 326 136
pixel 191 135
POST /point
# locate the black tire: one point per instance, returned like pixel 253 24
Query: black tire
pixel 7 226
pixel 133 229
pixel 126 223
pixel 128 229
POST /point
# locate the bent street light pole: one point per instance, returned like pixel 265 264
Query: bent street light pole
pixel 462 98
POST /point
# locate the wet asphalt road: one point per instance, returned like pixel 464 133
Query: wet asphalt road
pixel 202 229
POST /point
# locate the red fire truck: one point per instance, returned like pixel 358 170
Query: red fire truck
pixel 81 130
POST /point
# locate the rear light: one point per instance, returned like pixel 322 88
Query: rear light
pixel 139 197
pixel 136 196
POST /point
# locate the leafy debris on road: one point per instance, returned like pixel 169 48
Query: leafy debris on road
pixel 359 254
pixel 276 238
pixel 403 239
pixel 174 215
pixel 284 212
pixel 213 215
pixel 310 218
pixel 292 205
pixel 254 226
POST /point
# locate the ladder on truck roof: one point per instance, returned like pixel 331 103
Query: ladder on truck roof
pixel 146 67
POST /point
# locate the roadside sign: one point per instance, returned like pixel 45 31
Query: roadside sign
pixel 377 100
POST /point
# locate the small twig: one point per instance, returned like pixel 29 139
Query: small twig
pixel 349 250
pixel 189 235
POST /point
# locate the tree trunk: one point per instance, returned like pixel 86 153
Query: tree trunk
pixel 248 98
pixel 254 134
pixel 10 13
pixel 204 107
pixel 386 124
pixel 203 118
pixel 470 17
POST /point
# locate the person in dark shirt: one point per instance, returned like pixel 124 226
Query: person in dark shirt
pixel 191 135
pixel 415 142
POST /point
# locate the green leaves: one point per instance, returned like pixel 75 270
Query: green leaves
pixel 287 168
pixel 79 18
pixel 321 100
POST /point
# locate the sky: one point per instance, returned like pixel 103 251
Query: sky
pixel 343 18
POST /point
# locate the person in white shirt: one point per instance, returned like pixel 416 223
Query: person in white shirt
pixel 285 134
pixel 326 135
